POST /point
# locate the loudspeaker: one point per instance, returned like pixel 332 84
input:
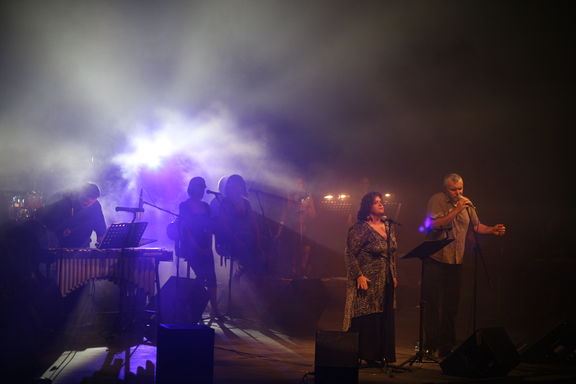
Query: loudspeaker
pixel 487 353
pixel 556 346
pixel 185 354
pixel 182 301
pixel 336 357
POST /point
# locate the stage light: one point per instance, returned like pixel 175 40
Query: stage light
pixel 338 203
pixel 427 224
pixel 387 195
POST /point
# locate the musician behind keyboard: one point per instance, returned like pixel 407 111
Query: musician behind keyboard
pixel 74 217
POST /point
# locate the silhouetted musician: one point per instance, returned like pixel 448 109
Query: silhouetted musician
pixel 75 216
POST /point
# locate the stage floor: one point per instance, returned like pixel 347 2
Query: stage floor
pixel 269 339
pixel 248 352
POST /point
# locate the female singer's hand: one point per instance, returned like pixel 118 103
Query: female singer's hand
pixel 362 282
pixel 395 281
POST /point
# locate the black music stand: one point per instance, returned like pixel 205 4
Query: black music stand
pixel 123 235
pixel 422 252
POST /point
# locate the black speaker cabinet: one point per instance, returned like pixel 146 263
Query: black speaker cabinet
pixel 182 301
pixel 336 357
pixel 185 354
pixel 487 353
pixel 556 346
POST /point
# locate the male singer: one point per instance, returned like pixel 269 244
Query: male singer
pixel 450 214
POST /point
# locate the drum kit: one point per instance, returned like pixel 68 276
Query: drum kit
pixel 23 205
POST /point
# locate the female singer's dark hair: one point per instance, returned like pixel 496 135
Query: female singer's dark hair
pixel 195 182
pixel 235 182
pixel 366 205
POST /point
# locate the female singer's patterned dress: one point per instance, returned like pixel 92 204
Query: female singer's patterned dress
pixel 367 254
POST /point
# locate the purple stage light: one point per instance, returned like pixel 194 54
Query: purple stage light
pixel 427 225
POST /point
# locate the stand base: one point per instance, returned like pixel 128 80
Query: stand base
pixel 419 357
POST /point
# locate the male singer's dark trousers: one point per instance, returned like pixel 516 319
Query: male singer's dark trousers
pixel 441 287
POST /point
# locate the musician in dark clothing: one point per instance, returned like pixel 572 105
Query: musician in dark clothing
pixel 196 230
pixel 238 228
pixel 74 217
pixel 215 205
pixel 31 304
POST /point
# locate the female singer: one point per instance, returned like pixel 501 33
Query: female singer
pixel 372 279
pixel 196 229
pixel 239 229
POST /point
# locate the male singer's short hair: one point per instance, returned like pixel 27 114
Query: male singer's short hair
pixel 90 190
pixel 453 177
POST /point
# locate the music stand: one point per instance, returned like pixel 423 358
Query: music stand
pixel 422 252
pixel 123 235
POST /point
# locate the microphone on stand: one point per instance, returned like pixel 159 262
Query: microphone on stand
pixel 140 207
pixel 129 209
pixel 212 192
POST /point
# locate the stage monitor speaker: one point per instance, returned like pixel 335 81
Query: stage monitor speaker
pixel 558 345
pixel 336 357
pixel 487 353
pixel 185 354
pixel 182 301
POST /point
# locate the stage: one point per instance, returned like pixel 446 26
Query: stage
pixel 247 353
pixel 250 346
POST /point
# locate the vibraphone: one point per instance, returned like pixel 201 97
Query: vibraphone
pixel 77 266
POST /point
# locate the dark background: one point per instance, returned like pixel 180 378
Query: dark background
pixel 402 92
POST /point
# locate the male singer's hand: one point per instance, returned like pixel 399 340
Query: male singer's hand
pixel 499 230
pixel 464 202
pixel 362 282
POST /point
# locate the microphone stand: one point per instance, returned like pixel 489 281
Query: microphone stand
pixel 220 198
pixel 160 209
pixel 126 307
pixel 388 227
pixel 176 250
pixel 478 255
pixel 267 266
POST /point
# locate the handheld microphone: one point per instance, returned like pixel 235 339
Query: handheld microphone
pixel 212 192
pixel 467 204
